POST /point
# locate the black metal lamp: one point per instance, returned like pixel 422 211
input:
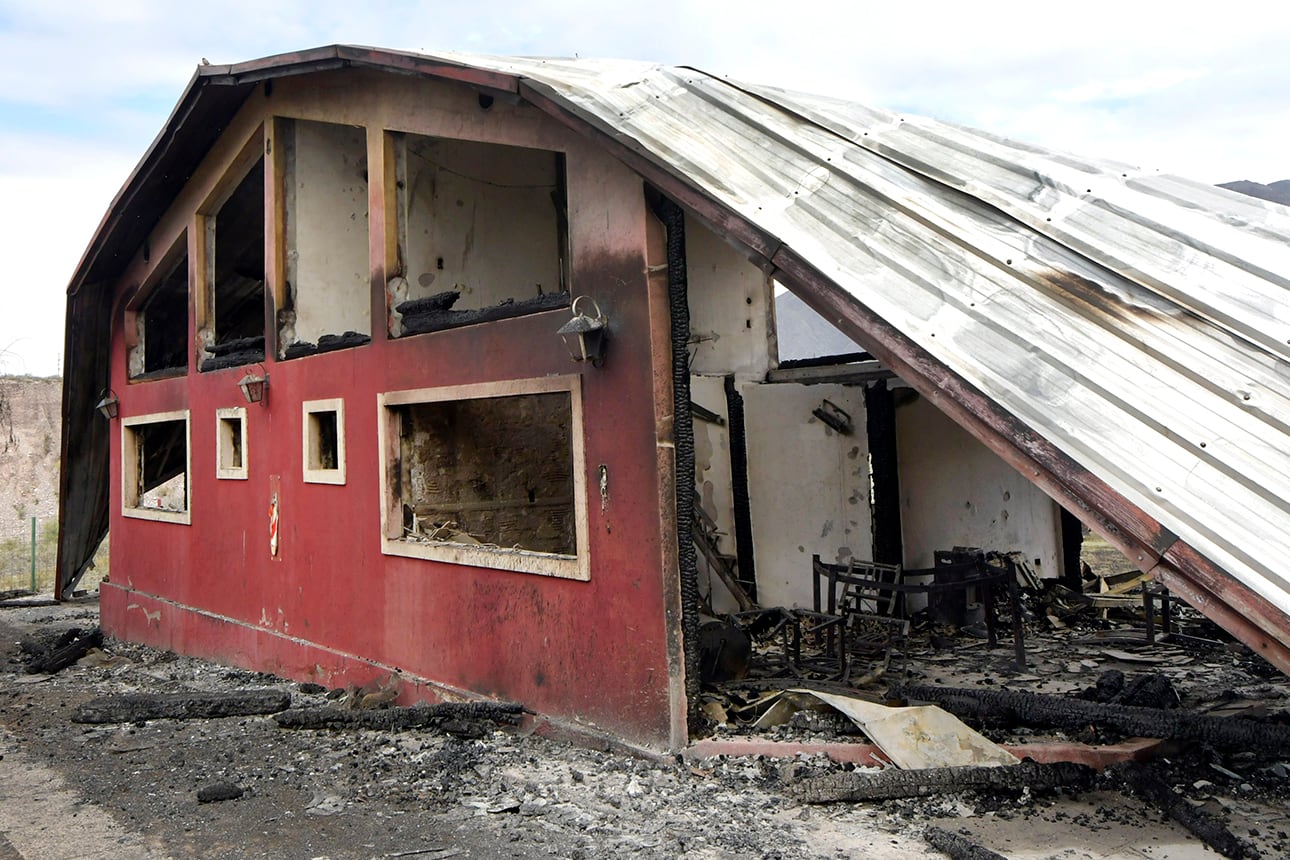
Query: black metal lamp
pixel 108 406
pixel 585 336
pixel 255 387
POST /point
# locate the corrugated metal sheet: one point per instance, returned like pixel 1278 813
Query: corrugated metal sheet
pixel 1140 323
pixel 1137 325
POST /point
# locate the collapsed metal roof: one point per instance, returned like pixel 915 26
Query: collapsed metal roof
pixel 1122 338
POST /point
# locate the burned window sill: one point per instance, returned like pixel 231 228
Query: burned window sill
pixel 422 316
pixel 163 373
pixel 326 343
pixel 161 515
pixel 495 557
pixel 234 353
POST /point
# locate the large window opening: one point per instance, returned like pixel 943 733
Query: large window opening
pixel 155 466
pixel 162 320
pixel 235 276
pixel 478 476
pixel 482 233
pixel 328 300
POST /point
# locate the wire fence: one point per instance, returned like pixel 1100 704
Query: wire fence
pixel 29 556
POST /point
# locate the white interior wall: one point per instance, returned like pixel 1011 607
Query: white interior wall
pixel 485 211
pixel 809 486
pixel 729 306
pixel 955 491
pixel 327 248
pixel 713 481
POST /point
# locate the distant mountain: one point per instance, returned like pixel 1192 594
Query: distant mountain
pixel 1277 192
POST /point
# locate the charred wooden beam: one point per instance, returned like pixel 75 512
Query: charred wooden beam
pixel 64 653
pixel 891 784
pixel 958 847
pixel 132 707
pixel 1151 788
pixel 453 717
pixel 1038 709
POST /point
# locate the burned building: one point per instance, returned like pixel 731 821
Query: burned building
pixel 336 307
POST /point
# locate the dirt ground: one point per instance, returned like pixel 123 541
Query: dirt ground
pixel 71 790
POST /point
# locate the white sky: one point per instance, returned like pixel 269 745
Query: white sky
pixel 1202 90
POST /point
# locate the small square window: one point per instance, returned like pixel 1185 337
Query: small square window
pixel 230 441
pixel 324 441
pixel 155 467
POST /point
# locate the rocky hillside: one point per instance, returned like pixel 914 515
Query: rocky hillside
pixel 29 447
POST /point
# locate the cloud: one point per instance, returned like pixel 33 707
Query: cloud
pixel 84 87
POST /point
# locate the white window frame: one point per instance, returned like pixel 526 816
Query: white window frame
pixel 130 468
pixel 576 567
pixel 313 474
pixel 224 471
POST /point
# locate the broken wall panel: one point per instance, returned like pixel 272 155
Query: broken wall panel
pixel 485 221
pixel 713 483
pixel 729 299
pixel 956 492
pixel 326 234
pixel 808 485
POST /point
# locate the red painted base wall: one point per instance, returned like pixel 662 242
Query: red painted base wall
pixel 334 609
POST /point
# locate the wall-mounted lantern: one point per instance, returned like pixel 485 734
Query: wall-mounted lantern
pixel 255 387
pixel 585 336
pixel 108 406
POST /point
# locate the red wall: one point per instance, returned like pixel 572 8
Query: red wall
pixel 334 609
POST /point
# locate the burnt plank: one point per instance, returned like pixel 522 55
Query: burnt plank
pixel 893 783
pixel 191 705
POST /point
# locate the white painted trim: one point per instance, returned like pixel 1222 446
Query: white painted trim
pixel 238 414
pixel 130 468
pixel 313 474
pixel 523 561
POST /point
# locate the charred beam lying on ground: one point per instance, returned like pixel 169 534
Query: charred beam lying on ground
pixel 1147 785
pixel 452 717
pixel 958 847
pixel 892 783
pixel 65 651
pixel 133 707
pixel 1038 709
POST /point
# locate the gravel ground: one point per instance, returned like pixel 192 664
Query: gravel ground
pixel 422 794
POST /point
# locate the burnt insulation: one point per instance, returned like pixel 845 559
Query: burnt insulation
pixel 739 487
pixel 673 218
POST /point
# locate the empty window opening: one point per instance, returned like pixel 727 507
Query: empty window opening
pixel 155 467
pixel 483 233
pixel 230 439
pixel 235 279
pixel 162 348
pixel 480 475
pixel 328 303
pixel 324 441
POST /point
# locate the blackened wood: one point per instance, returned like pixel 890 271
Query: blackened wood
pixel 880 421
pixel 1037 709
pixel 133 707
pixel 66 654
pixel 443 715
pixel 958 847
pixel 218 791
pixel 893 783
pixel 1151 788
